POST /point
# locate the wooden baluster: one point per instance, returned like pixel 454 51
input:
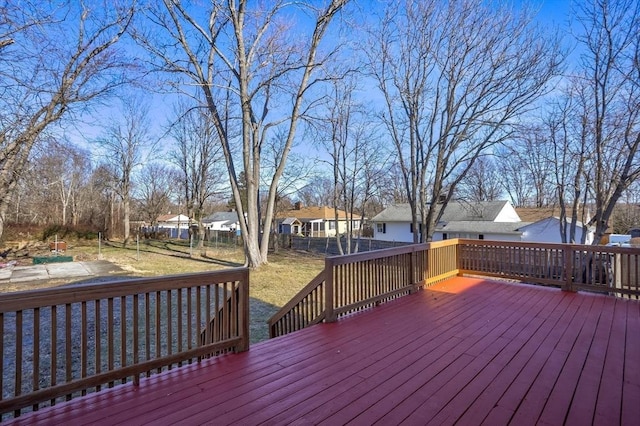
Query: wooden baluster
pixel 158 327
pixel 169 323
pixel 190 336
pixel 53 344
pixel 98 338
pixel 147 326
pixel 179 322
pixel 84 343
pixel 123 334
pixel 68 348
pixel 35 365
pixel 136 337
pixel 110 337
pixel 18 373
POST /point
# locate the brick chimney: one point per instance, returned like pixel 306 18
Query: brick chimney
pixel 298 205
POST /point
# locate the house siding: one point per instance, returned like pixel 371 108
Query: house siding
pixel 437 236
pixel 395 231
pixel 548 231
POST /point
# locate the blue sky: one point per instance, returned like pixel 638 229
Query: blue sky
pixel 554 13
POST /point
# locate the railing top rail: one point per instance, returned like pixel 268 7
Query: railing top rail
pixel 378 254
pixel 513 244
pixel 312 285
pixel 77 293
pixel 556 246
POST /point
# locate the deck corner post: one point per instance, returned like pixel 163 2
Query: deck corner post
pixel 328 294
pixel 568 268
pixel 243 312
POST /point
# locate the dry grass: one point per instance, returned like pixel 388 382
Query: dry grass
pixel 271 286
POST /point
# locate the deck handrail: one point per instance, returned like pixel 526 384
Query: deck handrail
pixel 573 267
pixel 305 308
pixel 359 281
pixel 58 343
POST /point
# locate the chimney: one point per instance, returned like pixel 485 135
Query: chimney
pixel 297 205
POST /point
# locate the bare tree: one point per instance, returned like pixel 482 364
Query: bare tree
pixel 156 183
pixel 299 171
pixel 61 169
pixel 455 77
pixel 54 59
pixel 347 133
pixel 608 96
pixel 198 156
pixel 389 187
pixel 124 142
pixel 570 157
pixel 317 191
pixel 482 182
pixel 100 200
pixel 253 76
pixel 626 215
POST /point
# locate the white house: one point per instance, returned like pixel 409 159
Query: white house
pixel 222 221
pixel 548 231
pixel 490 220
pixel 176 226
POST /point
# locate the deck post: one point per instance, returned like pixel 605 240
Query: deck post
pixel 243 312
pixel 328 294
pixel 568 267
pixel 412 271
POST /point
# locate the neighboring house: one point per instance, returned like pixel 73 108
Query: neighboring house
pixel 490 220
pixel 548 231
pixel 314 221
pixel 290 225
pixel 222 221
pixel 176 226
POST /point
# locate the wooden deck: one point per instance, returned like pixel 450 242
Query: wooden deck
pixel 466 351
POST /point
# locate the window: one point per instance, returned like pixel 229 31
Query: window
pixel 381 228
pixel 444 235
pixel 332 224
pixel 481 237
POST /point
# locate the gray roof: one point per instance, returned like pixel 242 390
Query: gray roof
pixel 579 224
pixel 481 227
pixel 225 217
pixel 480 211
pixel 455 211
pixel 290 221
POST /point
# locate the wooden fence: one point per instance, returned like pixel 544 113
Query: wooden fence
pixel 63 342
pixel 358 281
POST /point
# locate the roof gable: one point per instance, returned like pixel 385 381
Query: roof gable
pixel 480 211
pixel 551 221
pixel 456 211
pixel 172 218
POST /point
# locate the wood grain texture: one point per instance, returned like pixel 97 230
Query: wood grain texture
pixel 468 351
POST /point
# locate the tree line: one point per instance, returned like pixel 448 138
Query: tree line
pixel 331 102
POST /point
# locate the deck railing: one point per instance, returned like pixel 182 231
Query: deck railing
pixel 63 342
pixel 358 281
pixel 613 270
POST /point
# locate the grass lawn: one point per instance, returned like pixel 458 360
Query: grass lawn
pixel 271 286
